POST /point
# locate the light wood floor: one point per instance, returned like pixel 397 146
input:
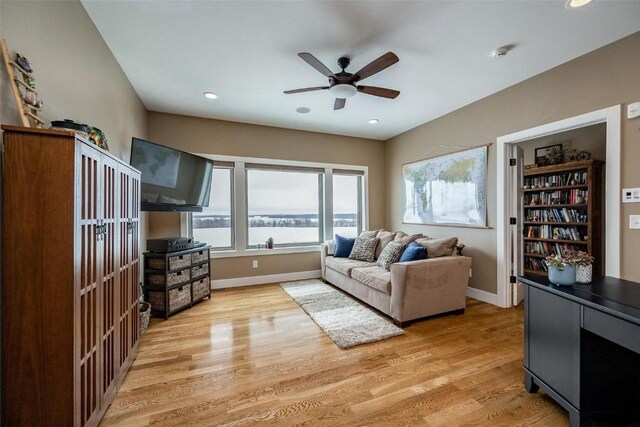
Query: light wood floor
pixel 252 355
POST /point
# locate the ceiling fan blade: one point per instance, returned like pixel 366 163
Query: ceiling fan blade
pixel 339 104
pixel 385 61
pixel 379 91
pixel 315 63
pixel 306 89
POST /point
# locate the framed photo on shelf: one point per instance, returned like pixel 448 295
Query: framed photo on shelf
pixel 549 155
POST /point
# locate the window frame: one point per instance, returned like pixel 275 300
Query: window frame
pixel 232 247
pixel 239 204
pixel 320 211
pixel 360 196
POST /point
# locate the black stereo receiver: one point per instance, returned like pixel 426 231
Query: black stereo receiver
pixel 169 244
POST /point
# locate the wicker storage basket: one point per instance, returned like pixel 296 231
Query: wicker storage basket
pixel 200 289
pixel 200 270
pixel 175 262
pixel 178 298
pixel 175 278
pixel 199 256
pixel 145 313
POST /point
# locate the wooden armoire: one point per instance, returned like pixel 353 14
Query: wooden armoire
pixel 70 277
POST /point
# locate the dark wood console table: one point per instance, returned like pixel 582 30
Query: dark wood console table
pixel 582 346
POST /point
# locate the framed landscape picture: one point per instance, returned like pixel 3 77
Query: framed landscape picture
pixel 447 190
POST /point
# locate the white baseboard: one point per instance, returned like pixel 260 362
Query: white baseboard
pixel 484 296
pixel 259 280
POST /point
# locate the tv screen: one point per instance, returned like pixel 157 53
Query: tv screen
pixel 172 180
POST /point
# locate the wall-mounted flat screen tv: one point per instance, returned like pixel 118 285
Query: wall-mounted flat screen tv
pixel 172 180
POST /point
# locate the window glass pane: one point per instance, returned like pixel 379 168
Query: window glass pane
pixel 284 206
pixel 214 224
pixel 346 205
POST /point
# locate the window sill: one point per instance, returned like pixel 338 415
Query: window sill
pixel 261 252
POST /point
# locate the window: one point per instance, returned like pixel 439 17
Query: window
pixel 283 204
pixel 347 203
pixel 214 224
pixel 298 204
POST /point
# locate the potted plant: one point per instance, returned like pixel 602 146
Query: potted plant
pixel 562 271
pixel 584 268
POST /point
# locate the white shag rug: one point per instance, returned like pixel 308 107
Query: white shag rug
pixel 345 321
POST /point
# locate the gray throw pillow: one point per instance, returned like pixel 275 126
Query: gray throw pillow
pixel 439 247
pixel 385 237
pixel 390 254
pixel 364 249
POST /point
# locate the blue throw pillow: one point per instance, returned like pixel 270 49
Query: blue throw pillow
pixel 343 246
pixel 413 252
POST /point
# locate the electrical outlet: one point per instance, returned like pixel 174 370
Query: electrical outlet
pixel 469 272
pixel 255 263
pixel 634 222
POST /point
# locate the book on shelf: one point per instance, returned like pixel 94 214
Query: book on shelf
pixel 548 248
pixel 556 197
pixel 558 180
pixel 556 215
pixel 535 264
pixel 554 232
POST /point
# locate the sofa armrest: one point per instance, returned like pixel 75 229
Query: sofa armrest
pixel 431 286
pixel 325 251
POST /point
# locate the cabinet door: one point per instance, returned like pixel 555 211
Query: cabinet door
pixel 88 326
pixel 553 342
pixel 109 277
pixel 129 264
pixel 134 235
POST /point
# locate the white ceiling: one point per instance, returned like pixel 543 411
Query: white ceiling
pixel 246 52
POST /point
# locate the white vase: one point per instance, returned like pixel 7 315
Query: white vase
pixel 584 273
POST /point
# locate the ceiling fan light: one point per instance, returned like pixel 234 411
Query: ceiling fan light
pixel 572 4
pixel 343 90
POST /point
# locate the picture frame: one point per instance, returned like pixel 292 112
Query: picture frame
pixel 541 154
pixel 447 190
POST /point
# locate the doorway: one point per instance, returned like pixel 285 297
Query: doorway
pixel 508 192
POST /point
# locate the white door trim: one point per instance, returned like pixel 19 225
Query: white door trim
pixel 612 117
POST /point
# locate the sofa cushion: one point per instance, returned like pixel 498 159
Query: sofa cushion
pixel 343 246
pixel 439 247
pixel 385 237
pixel 413 252
pixel 369 234
pixel 374 277
pixel 404 238
pixel 390 254
pixel 364 249
pixel 345 265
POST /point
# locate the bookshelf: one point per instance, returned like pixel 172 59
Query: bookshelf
pixel 562 210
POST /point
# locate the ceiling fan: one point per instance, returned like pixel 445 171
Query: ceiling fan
pixel 343 85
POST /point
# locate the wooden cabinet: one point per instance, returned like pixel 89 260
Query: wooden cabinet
pixel 176 280
pixel 70 277
pixel 562 210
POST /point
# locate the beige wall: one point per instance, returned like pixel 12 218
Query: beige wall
pixel 603 78
pixel 199 135
pixel 76 74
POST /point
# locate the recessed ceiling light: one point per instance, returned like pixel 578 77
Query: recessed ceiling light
pixel 210 95
pixel 572 4
pixel 303 110
pixel 373 121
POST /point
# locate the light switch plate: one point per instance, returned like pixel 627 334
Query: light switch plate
pixel 631 195
pixel 634 222
pixel 633 110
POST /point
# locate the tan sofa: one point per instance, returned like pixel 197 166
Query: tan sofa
pixel 409 291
